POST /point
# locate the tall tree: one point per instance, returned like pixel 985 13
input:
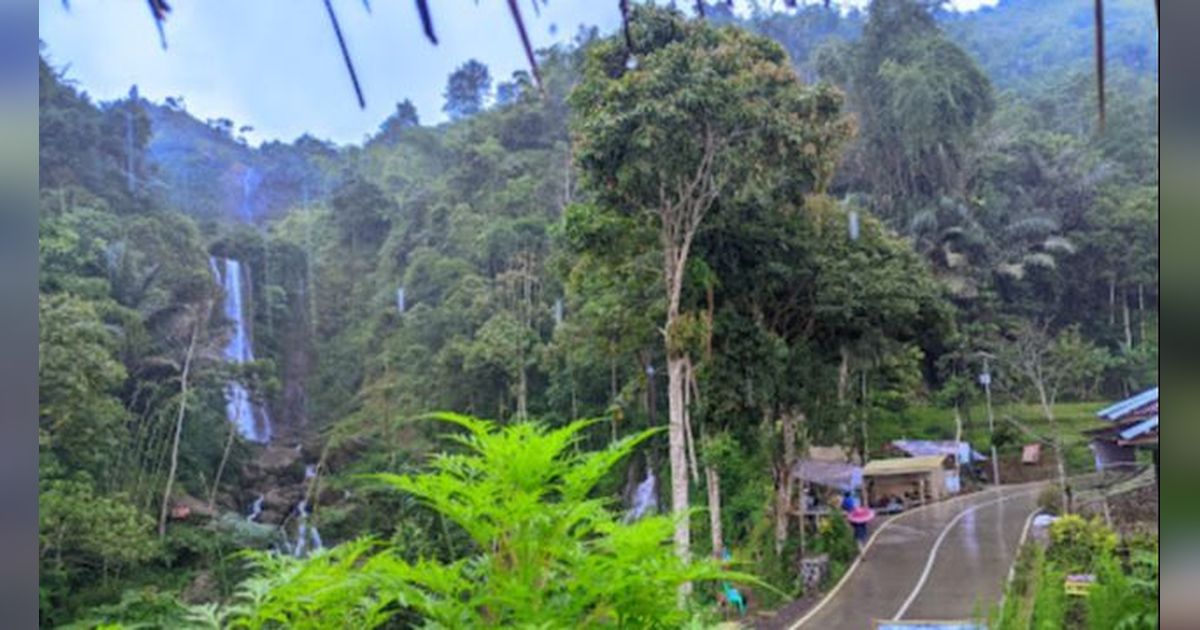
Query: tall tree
pixel 690 118
pixel 919 98
pixel 467 90
pixel 405 117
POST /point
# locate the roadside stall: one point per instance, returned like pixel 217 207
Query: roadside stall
pixel 962 452
pixel 911 481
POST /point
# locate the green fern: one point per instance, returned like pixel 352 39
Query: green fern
pixel 546 554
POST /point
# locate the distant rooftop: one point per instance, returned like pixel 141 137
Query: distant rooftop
pixel 903 465
pixel 1146 402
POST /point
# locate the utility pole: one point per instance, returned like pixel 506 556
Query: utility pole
pixel 985 379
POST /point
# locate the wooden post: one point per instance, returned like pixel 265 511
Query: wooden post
pixel 803 510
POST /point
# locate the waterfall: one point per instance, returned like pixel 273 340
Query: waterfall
pixel 644 499
pixel 250 181
pixel 307 536
pixel 251 420
pixel 255 509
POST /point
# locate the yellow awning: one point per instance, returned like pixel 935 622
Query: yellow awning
pixel 904 465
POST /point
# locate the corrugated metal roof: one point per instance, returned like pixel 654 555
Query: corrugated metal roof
pixel 903 465
pixel 1139 428
pixel 1116 411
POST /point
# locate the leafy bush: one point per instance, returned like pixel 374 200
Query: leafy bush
pixel 139 608
pixel 1050 499
pixel 1126 600
pixel 1077 544
pixel 544 554
pixel 836 538
pixel 1050 599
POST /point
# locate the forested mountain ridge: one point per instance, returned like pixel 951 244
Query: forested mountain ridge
pixel 498 265
pixel 209 159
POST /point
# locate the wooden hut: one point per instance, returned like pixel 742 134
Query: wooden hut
pixel 1132 424
pixel 913 480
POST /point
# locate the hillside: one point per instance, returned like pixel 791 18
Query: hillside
pixel 662 272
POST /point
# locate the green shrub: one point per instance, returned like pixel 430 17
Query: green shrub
pixel 1124 600
pixel 836 538
pixel 1014 613
pixel 1077 543
pixel 1050 599
pixel 1050 499
pixel 138 608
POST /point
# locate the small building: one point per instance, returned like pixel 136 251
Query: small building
pixel 913 480
pixel 824 472
pixel 961 451
pixel 1132 425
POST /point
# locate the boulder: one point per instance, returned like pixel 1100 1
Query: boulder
pixel 282 499
pixel 271 517
pixel 186 506
pixel 278 460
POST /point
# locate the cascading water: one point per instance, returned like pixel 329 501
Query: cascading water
pixel 256 509
pixel 307 536
pixel 250 181
pixel 644 499
pixel 251 420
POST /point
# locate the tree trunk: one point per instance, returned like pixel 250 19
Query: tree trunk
pixel 183 393
pixel 1048 410
pixel 1112 301
pixel 212 494
pixel 843 374
pixel 1128 329
pixel 522 392
pixel 676 440
pixel 690 388
pixel 782 506
pixel 612 379
pixel 1141 313
pixel 784 487
pixel 713 480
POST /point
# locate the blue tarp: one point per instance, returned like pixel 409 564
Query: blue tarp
pixel 962 451
pixel 845 477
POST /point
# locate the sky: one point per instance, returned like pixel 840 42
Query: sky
pixel 275 65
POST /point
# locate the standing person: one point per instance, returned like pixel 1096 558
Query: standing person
pixel 848 502
pixel 859 517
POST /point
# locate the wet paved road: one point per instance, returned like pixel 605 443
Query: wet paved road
pixel 972 541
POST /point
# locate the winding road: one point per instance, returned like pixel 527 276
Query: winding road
pixel 946 561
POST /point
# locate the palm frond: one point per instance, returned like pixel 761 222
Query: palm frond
pixel 337 30
pixel 1058 244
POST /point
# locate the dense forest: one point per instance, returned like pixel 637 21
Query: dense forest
pixel 722 240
